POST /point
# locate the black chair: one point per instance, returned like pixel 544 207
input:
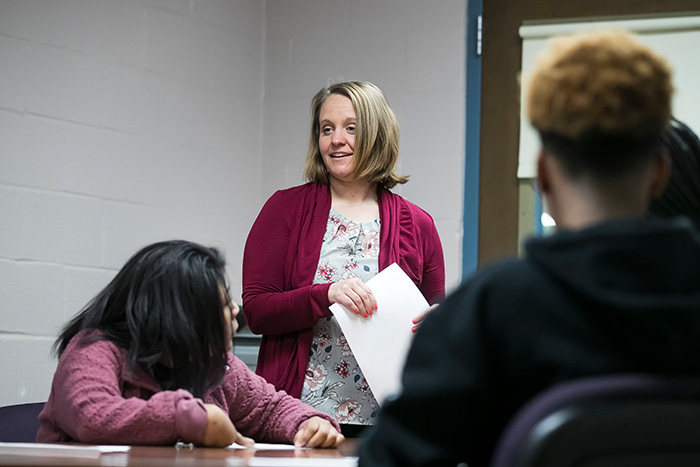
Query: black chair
pixel 606 421
pixel 19 423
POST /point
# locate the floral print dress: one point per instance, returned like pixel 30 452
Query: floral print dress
pixel 334 383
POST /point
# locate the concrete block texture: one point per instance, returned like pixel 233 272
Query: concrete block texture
pixel 8 370
pixel 445 200
pixel 27 368
pixel 64 229
pixel 32 297
pixel 121 123
pixel 179 46
pixel 433 60
pixel 285 140
pixel 67 85
pixel 35 368
pixel 81 285
pixel 11 201
pixel 13 56
pixel 450 232
pixel 323 19
pixel 401 15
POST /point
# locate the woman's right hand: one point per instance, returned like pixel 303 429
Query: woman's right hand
pixel 354 295
pixel 220 430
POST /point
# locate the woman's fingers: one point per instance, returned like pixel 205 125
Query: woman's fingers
pixel 354 295
pixel 359 297
pixel 419 319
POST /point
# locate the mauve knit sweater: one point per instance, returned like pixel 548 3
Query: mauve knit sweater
pixel 95 399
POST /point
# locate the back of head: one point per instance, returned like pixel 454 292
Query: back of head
pixel 165 306
pixel 682 194
pixel 600 102
pixel 376 150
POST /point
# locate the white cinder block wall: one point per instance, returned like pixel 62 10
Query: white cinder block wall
pixel 414 50
pixel 124 122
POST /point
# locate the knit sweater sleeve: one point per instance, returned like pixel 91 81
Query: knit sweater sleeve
pixel 261 412
pixel 87 404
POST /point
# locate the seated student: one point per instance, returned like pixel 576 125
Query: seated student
pixel 613 291
pixel 147 362
pixel 682 194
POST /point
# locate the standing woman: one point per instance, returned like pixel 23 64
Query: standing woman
pixel 317 244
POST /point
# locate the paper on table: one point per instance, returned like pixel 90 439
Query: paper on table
pixel 302 462
pixel 381 342
pixel 266 446
pixel 59 450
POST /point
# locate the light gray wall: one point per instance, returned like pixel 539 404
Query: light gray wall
pixel 124 122
pixel 121 123
pixel 414 50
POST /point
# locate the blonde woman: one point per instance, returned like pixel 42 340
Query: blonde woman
pixel 317 244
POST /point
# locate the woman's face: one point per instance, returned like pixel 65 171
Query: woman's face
pixel 231 310
pixel 337 122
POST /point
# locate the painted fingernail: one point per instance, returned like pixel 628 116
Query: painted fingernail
pixel 375 307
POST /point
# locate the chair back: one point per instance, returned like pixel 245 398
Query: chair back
pixel 616 420
pixel 19 423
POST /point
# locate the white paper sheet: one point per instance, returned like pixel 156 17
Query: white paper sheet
pixel 302 462
pixel 59 450
pixel 381 342
pixel 266 446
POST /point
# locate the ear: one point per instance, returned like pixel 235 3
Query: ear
pixel 661 172
pixel 544 182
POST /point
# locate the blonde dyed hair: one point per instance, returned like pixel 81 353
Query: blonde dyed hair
pixel 604 81
pixel 376 151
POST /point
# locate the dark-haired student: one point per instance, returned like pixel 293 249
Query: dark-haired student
pixel 613 291
pixel 682 194
pixel 147 361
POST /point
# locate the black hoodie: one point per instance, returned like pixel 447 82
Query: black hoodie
pixel 619 297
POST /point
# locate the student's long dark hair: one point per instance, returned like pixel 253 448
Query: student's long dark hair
pixel 682 194
pixel 164 307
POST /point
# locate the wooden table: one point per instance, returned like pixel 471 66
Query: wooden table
pixel 146 456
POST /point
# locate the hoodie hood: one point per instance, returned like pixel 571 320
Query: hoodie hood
pixel 632 263
pixel 636 286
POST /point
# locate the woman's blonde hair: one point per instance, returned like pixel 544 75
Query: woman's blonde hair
pixel 376 136
pixel 602 94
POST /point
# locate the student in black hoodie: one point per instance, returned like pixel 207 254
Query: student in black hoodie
pixel 613 291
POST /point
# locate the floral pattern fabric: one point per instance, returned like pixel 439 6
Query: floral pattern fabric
pixel 334 383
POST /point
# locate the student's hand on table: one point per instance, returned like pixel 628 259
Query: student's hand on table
pixel 318 432
pixel 419 319
pixel 220 430
pixel 354 295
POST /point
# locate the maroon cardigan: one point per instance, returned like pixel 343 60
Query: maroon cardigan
pixel 281 254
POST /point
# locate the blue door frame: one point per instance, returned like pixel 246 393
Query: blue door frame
pixel 470 238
